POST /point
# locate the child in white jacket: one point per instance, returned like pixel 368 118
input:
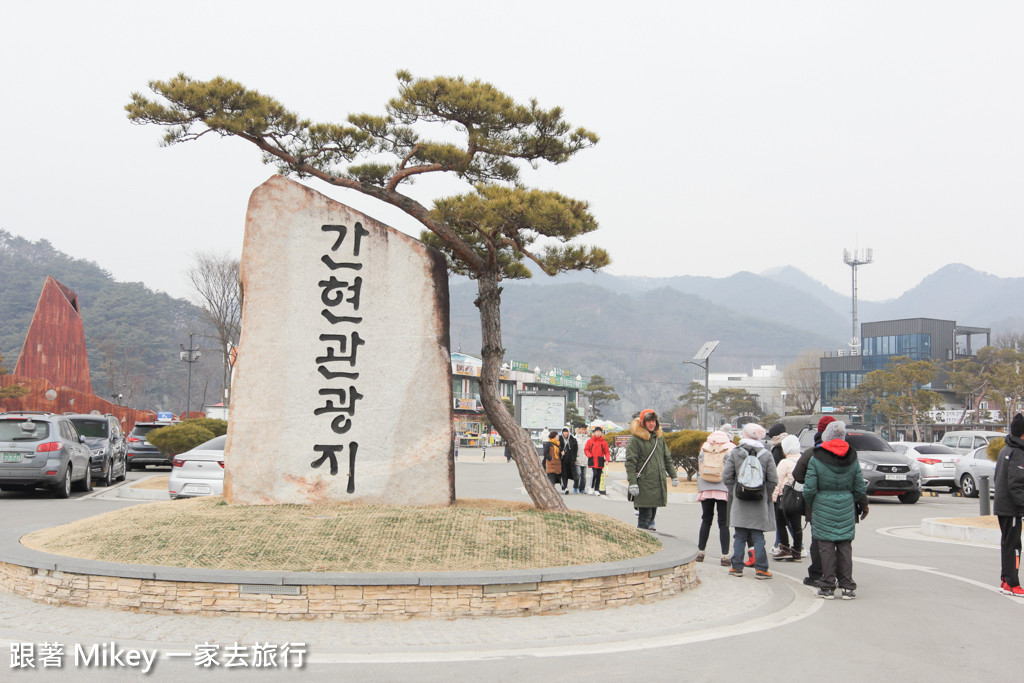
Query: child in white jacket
pixel 788 523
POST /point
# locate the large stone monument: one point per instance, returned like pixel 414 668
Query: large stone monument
pixel 342 388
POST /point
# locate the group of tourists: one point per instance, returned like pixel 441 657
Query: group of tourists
pixel 763 483
pixel 564 465
pixel 768 484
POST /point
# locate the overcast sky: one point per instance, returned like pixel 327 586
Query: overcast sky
pixel 734 135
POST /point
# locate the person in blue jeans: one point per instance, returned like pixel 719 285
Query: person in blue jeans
pixel 750 518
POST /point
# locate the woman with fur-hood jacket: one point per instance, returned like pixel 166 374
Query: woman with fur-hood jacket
pixel 833 489
pixel 648 464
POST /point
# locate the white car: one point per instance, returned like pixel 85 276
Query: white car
pixel 198 472
pixel 971 467
pixel 937 463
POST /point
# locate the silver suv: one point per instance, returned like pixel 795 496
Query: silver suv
pixel 42 450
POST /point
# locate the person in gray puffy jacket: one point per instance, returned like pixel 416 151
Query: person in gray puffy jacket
pixel 750 518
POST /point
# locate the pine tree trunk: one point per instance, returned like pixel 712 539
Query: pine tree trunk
pixel 543 494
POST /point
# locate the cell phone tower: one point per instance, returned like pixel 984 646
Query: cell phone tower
pixel 854 258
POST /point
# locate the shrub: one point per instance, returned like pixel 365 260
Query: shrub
pixel 180 437
pixel 684 446
pixel 994 446
pixel 218 427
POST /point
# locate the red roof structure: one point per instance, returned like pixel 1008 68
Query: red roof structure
pixel 53 367
pixel 54 347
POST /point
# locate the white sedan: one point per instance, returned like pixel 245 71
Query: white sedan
pixel 200 471
pixel 936 462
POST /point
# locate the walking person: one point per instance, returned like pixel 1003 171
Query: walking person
pixel 712 493
pixel 1008 506
pixel 570 449
pixel 553 459
pixel 597 452
pixel 788 522
pixel 834 489
pixel 749 473
pixel 799 474
pixel 648 464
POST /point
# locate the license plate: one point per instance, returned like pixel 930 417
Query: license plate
pixel 197 488
pixel 12 457
pixel 895 477
pixel 948 465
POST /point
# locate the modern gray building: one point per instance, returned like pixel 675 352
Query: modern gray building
pixel 916 338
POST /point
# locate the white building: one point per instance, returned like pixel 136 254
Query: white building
pixel 765 382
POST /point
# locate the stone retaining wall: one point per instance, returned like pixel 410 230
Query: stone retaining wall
pixel 356 602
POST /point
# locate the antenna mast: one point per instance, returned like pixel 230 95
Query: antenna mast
pixel 854 258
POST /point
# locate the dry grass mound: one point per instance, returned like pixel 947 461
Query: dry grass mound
pixel 472 535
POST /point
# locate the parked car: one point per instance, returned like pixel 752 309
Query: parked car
pixel 40 450
pixel 936 462
pixel 966 441
pixel 971 467
pixel 200 471
pixel 106 440
pixel 140 452
pixel 885 472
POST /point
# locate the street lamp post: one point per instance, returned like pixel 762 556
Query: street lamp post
pixel 783 403
pixel 190 356
pixel 701 361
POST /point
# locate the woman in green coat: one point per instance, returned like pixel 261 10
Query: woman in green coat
pixel 648 464
pixel 833 490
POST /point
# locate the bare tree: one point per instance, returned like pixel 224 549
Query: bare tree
pixel 802 379
pixel 123 371
pixel 218 292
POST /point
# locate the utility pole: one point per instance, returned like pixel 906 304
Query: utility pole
pixel 854 258
pixel 190 356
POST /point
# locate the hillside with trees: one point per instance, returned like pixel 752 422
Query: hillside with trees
pixel 132 333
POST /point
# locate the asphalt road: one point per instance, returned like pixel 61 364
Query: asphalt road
pixel 926 610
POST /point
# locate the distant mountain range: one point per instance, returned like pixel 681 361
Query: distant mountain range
pixel 638 331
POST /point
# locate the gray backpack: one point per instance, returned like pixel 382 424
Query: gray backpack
pixel 750 476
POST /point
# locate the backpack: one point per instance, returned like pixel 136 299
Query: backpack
pixel 750 477
pixel 712 464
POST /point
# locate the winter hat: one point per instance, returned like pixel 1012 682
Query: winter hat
pixel 753 431
pixel 598 429
pixel 823 422
pixel 790 445
pixel 776 429
pixel 1017 426
pixel 717 438
pixel 837 430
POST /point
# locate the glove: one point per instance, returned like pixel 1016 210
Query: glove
pixel 675 481
pixel 864 512
pixel 634 490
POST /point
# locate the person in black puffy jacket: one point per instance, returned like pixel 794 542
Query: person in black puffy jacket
pixel 1008 506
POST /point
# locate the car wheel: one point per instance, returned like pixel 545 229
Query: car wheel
pixel 85 485
pixel 63 488
pixel 124 471
pixel 968 487
pixel 108 476
pixel 910 497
